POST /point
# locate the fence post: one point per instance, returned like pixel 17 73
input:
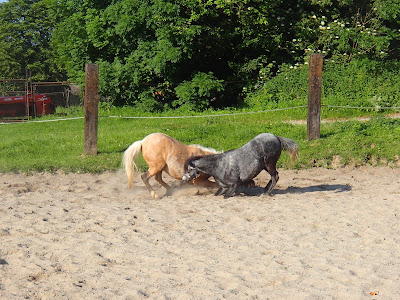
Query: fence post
pixel 91 108
pixel 314 96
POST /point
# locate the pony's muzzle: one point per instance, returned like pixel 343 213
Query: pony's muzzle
pixel 186 177
pixel 192 174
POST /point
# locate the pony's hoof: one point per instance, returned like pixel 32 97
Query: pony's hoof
pixel 155 195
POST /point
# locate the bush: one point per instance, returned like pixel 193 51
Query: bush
pixel 363 83
pixel 197 94
pixel 288 87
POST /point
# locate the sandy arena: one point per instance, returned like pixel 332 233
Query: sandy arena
pixel 323 234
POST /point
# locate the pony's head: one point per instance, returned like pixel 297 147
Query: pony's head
pixel 191 172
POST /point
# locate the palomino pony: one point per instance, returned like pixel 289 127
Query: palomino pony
pixel 240 166
pixel 163 153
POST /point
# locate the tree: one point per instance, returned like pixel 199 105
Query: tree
pixel 160 52
pixel 25 33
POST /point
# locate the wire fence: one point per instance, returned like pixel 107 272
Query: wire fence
pixel 202 116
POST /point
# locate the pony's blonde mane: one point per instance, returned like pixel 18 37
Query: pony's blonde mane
pixel 212 150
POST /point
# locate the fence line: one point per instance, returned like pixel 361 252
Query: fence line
pixel 203 116
pixel 40 121
pixel 362 107
pixel 216 115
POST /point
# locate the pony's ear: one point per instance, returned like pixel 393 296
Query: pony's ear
pixel 191 155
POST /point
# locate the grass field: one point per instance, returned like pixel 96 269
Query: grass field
pixel 51 146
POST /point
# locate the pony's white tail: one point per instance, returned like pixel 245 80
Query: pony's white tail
pixel 128 160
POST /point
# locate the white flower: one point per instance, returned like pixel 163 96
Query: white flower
pixel 322 23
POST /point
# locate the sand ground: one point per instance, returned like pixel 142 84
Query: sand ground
pixel 323 234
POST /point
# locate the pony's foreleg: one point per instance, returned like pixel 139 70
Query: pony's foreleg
pixel 230 191
pixel 249 184
pixel 220 191
pixel 145 177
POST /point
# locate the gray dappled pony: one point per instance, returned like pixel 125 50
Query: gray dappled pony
pixel 238 167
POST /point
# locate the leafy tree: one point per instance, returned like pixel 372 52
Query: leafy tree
pixel 167 52
pixel 345 30
pixel 25 33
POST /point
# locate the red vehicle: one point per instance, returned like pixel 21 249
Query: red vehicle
pixel 15 106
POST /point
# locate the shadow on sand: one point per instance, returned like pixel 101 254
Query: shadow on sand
pixel 258 191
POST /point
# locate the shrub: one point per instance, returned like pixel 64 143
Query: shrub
pixel 361 83
pixel 197 94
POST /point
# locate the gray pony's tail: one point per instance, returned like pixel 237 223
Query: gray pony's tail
pixel 290 147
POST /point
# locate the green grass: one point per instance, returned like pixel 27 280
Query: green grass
pixel 51 146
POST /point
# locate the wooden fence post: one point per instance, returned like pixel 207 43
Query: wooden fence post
pixel 314 96
pixel 91 108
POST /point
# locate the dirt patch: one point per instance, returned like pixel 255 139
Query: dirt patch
pixel 322 234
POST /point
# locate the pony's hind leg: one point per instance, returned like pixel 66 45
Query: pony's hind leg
pixel 158 177
pixel 145 177
pixel 271 169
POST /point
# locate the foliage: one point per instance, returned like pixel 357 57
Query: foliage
pixel 148 48
pixel 25 33
pixel 151 52
pixel 197 94
pixel 360 83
